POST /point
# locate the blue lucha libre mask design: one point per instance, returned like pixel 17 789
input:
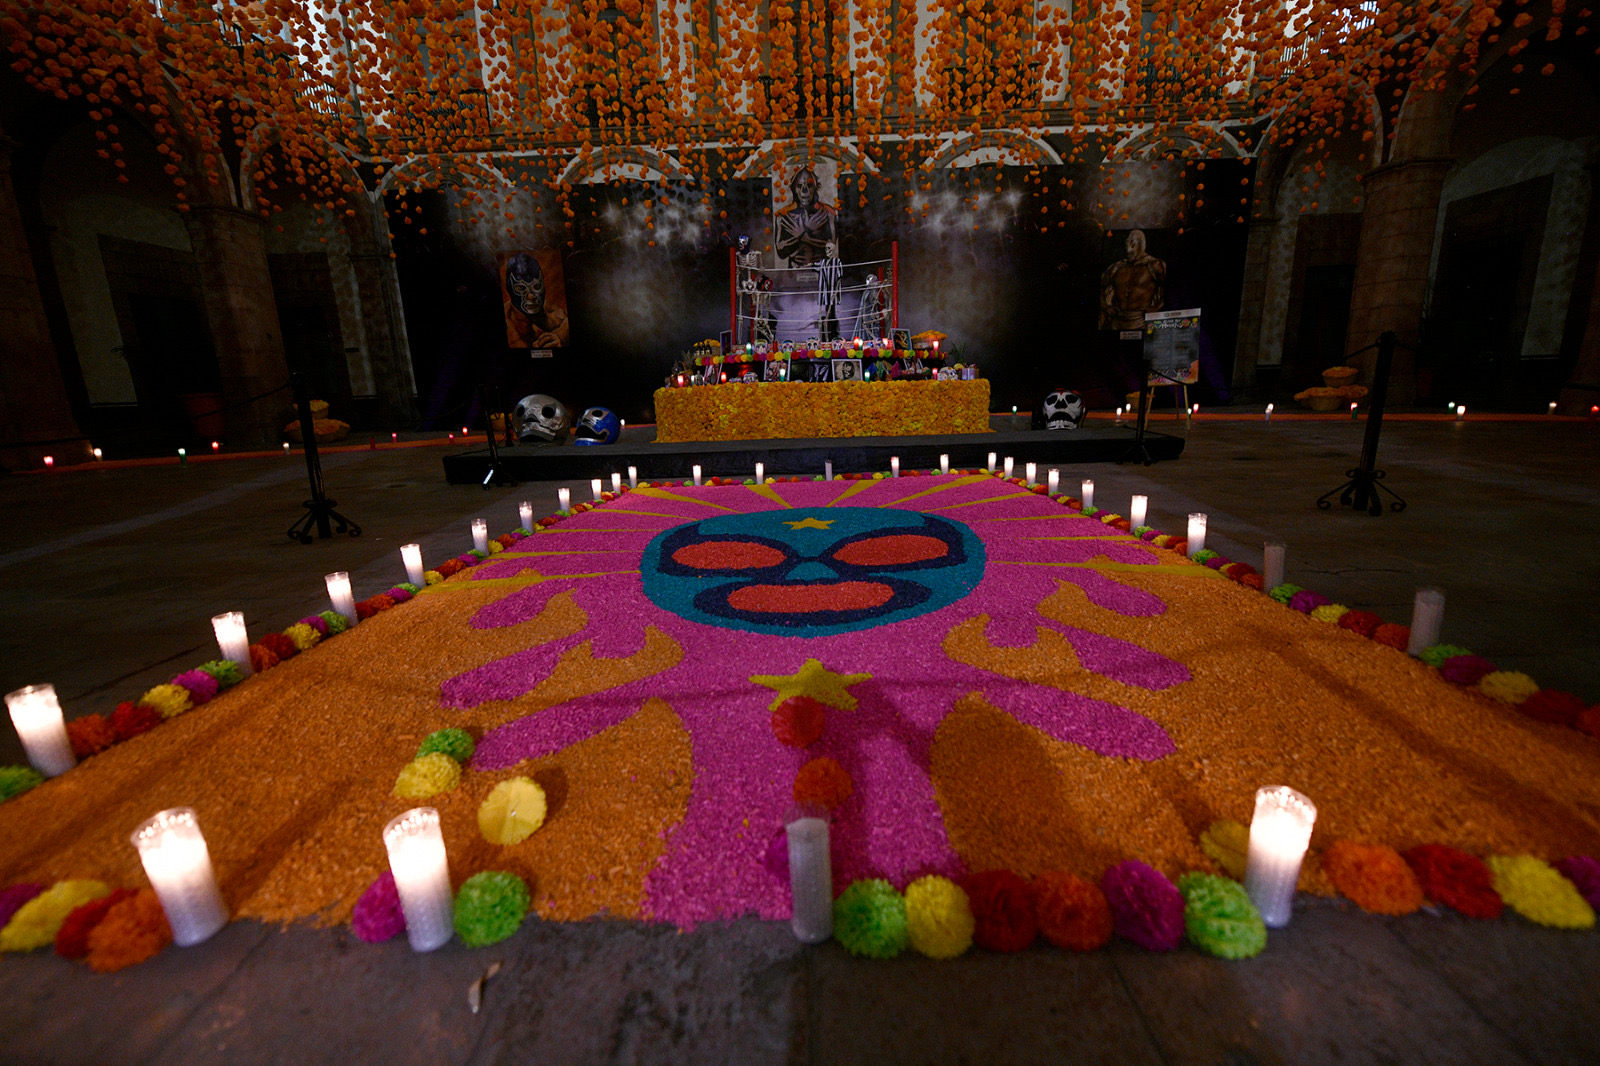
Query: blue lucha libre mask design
pixel 812 571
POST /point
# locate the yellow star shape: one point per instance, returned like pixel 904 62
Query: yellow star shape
pixel 814 680
pixel 811 523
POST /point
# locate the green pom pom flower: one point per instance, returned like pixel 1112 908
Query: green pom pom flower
pixel 456 743
pixel 336 622
pixel 490 907
pixel 1090 512
pixel 1202 555
pixel 523 531
pixel 1284 592
pixel 409 587
pixel 1219 918
pixel 225 673
pixel 869 918
pixel 15 780
pixel 1438 654
pixel 478 554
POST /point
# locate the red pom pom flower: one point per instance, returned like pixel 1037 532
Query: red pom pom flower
pixel 1455 878
pixel 1002 908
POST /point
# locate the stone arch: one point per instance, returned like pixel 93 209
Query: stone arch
pixel 774 155
pixel 623 163
pixel 990 147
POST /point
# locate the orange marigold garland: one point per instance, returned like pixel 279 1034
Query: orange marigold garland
pixel 131 932
pixel 1373 876
pixel 1455 878
pixel 1072 912
pixel 90 734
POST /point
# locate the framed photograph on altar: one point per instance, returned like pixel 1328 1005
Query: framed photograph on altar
pixel 821 370
pixel 775 370
pixel 902 339
pixel 847 370
pixel 727 341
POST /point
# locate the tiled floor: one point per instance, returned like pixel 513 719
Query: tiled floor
pixel 108 579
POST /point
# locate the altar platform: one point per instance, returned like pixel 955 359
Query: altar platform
pixel 1097 441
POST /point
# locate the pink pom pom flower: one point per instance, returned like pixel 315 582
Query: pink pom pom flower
pixel 1146 908
pixel 201 685
pixel 378 916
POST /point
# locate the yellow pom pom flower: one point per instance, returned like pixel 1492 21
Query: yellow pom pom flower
pixel 37 921
pixel 1534 889
pixel 303 635
pixel 432 577
pixel 1329 612
pixel 939 919
pixel 1228 844
pixel 495 547
pixel 1508 686
pixel 514 809
pixel 170 700
pixel 427 775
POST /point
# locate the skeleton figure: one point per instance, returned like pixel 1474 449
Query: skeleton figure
pixel 872 312
pixel 1063 409
pixel 541 417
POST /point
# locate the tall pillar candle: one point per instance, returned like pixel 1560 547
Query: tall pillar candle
pixel 178 864
pixel 1268 418
pixel 411 556
pixel 233 639
pixel 1427 614
pixel 944 464
pixel 761 473
pixel 480 535
pixel 894 466
pixel 1138 511
pixel 992 458
pixel 633 477
pixel 564 499
pixel 616 481
pixel 597 488
pixel 421 877
pixel 1279 834
pixel 1053 481
pixel 524 516
pixel 36 714
pixel 810 877
pixel 1030 473
pixel 827 469
pixel 1088 492
pixel 339 594
pixel 1274 557
pixel 696 474
pixel 1197 534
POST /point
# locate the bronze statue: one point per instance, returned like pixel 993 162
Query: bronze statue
pixel 1131 286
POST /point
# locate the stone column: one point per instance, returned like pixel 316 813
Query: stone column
pixel 1391 283
pixel 231 254
pixel 33 398
pixel 1582 388
pixel 1253 299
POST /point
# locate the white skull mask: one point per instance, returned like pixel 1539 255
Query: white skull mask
pixel 541 417
pixel 1063 409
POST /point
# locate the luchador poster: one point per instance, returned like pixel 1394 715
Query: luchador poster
pixel 534 295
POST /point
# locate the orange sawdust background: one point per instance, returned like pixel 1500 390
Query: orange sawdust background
pixel 291 773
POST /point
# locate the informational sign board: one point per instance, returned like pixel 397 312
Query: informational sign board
pixel 1172 346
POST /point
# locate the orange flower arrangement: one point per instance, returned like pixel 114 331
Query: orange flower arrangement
pixel 1374 877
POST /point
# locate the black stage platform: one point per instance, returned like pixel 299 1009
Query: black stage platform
pixel 1094 443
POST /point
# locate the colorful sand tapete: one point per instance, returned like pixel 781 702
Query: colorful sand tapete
pixel 977 681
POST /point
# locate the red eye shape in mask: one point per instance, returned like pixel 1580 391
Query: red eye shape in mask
pixel 897 549
pixel 728 555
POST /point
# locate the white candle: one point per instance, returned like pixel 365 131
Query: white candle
pixel 944 464
pixel 178 864
pixel 1279 834
pixel 411 556
pixel 1053 481
pixel 1119 414
pixel 1427 612
pixel 761 473
pixel 1138 510
pixel 697 475
pixel 1269 414
pixel 633 477
pixel 991 462
pixel 827 469
pixel 1088 492
pixel 1030 472
pixel 810 879
pixel 1274 555
pixel 421 877
pixel 894 466
pixel 36 714
pixel 1197 533
pixel 1552 411
pixel 597 487
pixel 564 499
pixel 233 639
pixel 1009 465
pixel 1461 412
pixel 616 481
pixel 339 592
pixel 480 535
pixel 524 516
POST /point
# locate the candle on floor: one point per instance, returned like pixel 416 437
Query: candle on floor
pixel 810 877
pixel 183 455
pixel 1279 834
pixel 524 516
pixel 1030 473
pixel 421 877
pixel 1197 534
pixel 1461 412
pixel 1352 412
pixel 616 481
pixel 597 487
pixel 233 640
pixel 944 464
pixel 344 600
pixel 1138 510
pixel 894 466
pixel 1552 411
pixel 827 469
pixel 1119 414
pixel 480 535
pixel 633 477
pixel 1053 481
pixel 1427 614
pixel 564 499
pixel 1088 492
pixel 99 455
pixel 36 714
pixel 178 864
pixel 50 460
pixel 1274 555
pixel 1269 414
pixel 1009 465
pixel 697 475
pixel 761 473
pixel 411 556
pixel 992 458
pixel 285 447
